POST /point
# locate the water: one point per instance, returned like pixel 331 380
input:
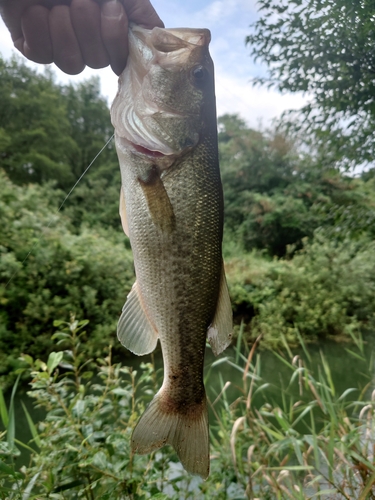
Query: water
pixel 346 368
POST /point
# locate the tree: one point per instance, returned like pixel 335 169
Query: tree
pixel 90 124
pixel 35 139
pixel 275 196
pixel 325 48
pixel 50 131
pixel 267 191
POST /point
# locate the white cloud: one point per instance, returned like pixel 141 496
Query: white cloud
pixel 254 104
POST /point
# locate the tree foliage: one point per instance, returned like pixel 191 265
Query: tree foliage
pixel 48 271
pixel 48 131
pixel 327 289
pixel 325 48
pixel 275 195
pixel 53 264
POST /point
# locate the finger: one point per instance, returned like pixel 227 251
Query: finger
pixel 143 13
pixel 114 28
pixel 66 50
pixel 11 12
pixel 37 45
pixel 86 21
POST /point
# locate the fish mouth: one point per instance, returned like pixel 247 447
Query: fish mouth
pixel 153 156
pixel 165 157
pixel 147 152
pixel 138 149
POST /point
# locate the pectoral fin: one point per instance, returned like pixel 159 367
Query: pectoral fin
pixel 122 211
pixel 158 202
pixel 135 330
pixel 219 333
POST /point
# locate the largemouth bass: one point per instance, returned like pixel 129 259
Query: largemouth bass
pixel 171 207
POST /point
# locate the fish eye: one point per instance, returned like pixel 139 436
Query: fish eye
pixel 199 75
pixel 198 72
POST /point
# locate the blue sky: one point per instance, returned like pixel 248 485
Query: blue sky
pixel 229 22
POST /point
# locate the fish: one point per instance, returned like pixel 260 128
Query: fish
pixel 171 208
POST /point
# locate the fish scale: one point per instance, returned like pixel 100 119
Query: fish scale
pixel 172 210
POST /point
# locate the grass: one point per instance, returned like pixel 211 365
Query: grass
pixel 307 440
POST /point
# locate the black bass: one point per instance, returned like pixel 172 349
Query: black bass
pixel 171 207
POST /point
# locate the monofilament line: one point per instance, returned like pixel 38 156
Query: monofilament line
pixel 60 207
pixel 81 177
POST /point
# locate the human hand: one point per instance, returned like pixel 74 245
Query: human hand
pixel 76 33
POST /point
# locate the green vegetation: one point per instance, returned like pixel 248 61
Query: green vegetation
pixel 297 239
pixel 298 248
pixel 87 273
pixel 302 263
pixel 315 444
pixel 323 47
pixel 326 290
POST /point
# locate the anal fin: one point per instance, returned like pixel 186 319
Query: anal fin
pixel 219 333
pixel 135 330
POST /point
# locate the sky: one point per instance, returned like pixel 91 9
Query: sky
pixel 229 22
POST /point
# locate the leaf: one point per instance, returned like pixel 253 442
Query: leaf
pixel 11 420
pixel 355 354
pixel 61 336
pixel 121 392
pixel 346 393
pixel 28 359
pixel 100 460
pixel 6 469
pixel 32 427
pixel 30 486
pixel 79 408
pixel 58 323
pixel 53 360
pixel 69 486
pixel 3 410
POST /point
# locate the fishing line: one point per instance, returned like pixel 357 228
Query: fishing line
pixel 60 207
pixel 82 175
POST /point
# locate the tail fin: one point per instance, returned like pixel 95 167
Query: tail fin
pixel 186 432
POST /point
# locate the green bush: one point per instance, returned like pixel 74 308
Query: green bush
pixel 48 271
pixel 326 289
pixel 273 222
